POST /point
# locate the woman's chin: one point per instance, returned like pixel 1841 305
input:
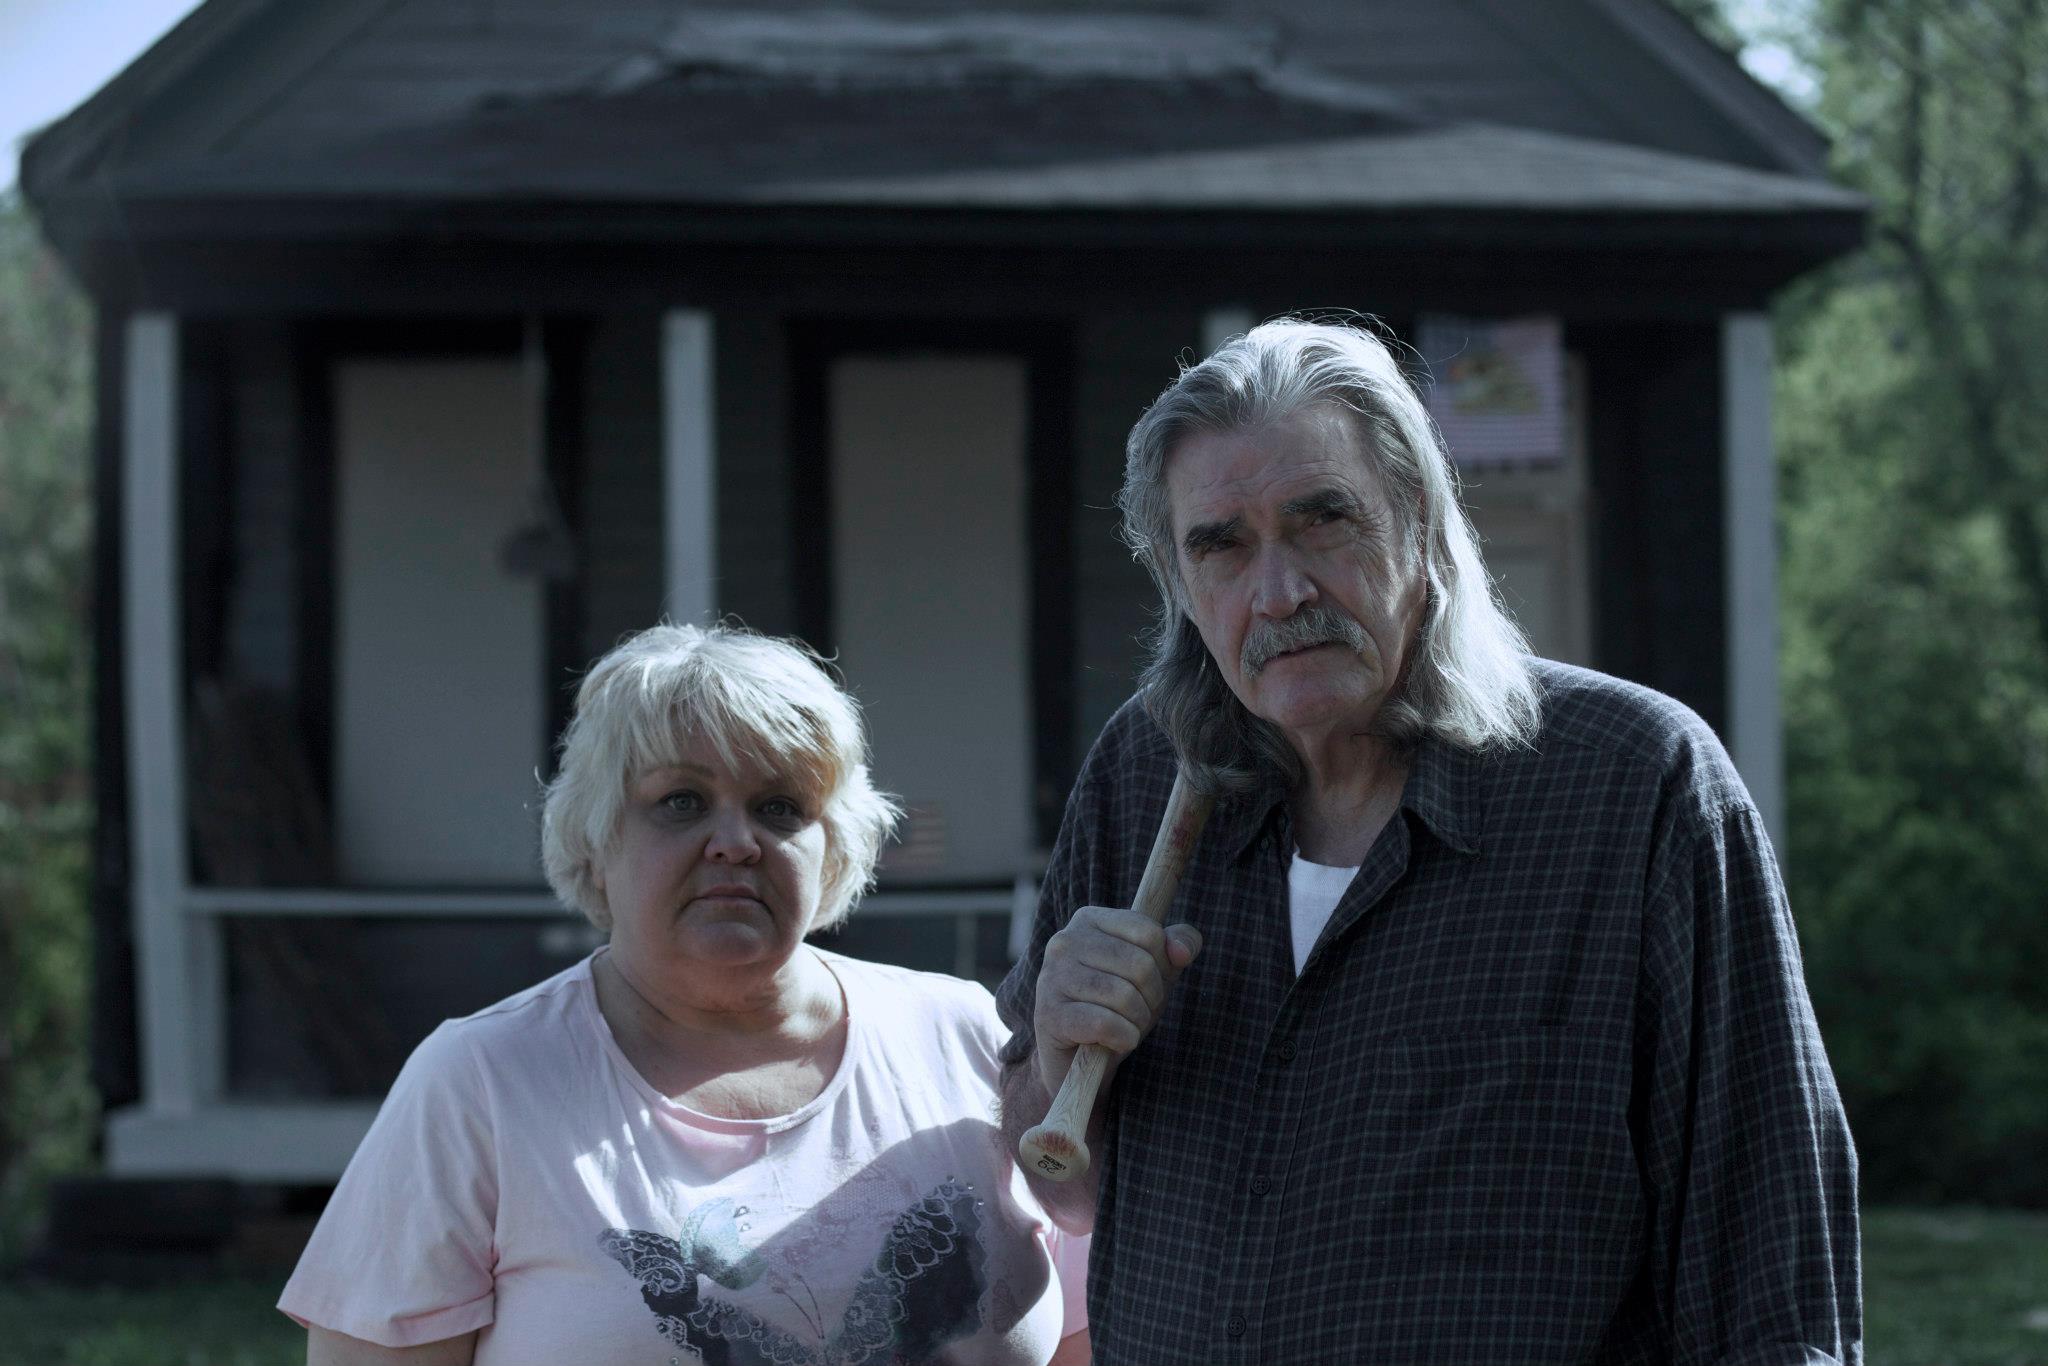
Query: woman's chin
pixel 734 942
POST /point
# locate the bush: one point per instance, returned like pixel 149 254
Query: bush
pixel 1917 755
pixel 46 1103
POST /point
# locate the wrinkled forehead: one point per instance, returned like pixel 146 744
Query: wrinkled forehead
pixel 1219 474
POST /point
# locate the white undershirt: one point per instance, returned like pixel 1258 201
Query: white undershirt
pixel 1313 890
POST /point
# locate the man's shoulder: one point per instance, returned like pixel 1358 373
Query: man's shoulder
pixel 1123 785
pixel 1130 743
pixel 1631 724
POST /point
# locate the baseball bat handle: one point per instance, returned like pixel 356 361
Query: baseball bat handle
pixel 1057 1149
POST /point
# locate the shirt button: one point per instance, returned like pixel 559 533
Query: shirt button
pixel 1260 1185
pixel 1287 1051
pixel 1234 1325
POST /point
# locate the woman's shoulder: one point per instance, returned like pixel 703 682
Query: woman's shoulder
pixel 536 1019
pixel 549 996
pixel 909 995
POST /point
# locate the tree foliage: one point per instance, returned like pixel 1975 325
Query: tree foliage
pixel 46 1107
pixel 1913 430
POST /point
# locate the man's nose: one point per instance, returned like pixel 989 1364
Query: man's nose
pixel 1282 585
pixel 732 838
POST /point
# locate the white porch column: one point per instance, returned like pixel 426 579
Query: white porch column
pixel 1219 325
pixel 178 967
pixel 689 467
pixel 1749 506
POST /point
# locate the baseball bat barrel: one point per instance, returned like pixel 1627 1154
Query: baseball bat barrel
pixel 1057 1149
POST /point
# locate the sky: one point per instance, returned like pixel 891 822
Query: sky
pixel 55 53
pixel 1770 54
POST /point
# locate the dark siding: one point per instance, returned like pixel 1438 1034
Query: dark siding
pixel 261 628
pixel 621 529
pixel 1654 444
pixel 756 556
pixel 1050 460
pixel 116 1042
pixel 206 461
pixel 566 343
pixel 619 503
pixel 1125 359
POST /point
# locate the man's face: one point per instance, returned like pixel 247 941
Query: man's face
pixel 1297 572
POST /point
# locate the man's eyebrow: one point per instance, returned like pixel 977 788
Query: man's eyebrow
pixel 1211 535
pixel 1318 501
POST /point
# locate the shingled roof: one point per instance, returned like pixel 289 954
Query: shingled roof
pixel 611 102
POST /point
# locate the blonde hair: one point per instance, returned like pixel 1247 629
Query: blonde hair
pixel 755 699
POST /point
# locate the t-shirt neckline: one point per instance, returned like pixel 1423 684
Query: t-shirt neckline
pixel 856 1041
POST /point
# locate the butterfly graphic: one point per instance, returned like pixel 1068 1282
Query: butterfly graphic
pixel 922 1290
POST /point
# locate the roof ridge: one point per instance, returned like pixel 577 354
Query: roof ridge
pixel 1723 81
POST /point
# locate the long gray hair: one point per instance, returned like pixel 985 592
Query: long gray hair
pixel 1468 681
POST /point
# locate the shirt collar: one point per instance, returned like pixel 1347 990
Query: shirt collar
pixel 1442 789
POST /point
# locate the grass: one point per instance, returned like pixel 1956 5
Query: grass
pixel 1947 1287
pixel 227 1322
pixel 1955 1287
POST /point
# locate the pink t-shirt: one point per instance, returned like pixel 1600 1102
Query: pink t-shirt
pixel 524 1179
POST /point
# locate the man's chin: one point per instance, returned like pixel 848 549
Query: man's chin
pixel 1311 701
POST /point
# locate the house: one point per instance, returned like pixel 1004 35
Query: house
pixel 442 342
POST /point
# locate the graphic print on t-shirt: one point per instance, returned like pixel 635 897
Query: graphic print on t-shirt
pixel 922 1291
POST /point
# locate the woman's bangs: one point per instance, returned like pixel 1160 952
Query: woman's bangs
pixel 745 728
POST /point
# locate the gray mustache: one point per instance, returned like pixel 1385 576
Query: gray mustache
pixel 1315 624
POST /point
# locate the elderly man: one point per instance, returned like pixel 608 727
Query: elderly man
pixel 1485 1040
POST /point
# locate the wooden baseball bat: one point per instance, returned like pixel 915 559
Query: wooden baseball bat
pixel 1057 1149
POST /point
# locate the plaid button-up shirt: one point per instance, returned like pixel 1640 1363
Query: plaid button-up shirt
pixel 1548 1089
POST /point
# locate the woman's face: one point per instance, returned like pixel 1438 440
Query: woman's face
pixel 714 868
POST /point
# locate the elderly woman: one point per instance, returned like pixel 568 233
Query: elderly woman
pixel 709 1140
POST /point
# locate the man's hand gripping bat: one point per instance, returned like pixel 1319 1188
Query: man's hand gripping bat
pixel 1057 1149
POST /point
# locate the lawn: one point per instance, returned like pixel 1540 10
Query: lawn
pixel 1955 1287
pixel 1941 1288
pixel 226 1322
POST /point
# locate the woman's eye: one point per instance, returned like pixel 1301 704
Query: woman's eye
pixel 782 809
pixel 683 803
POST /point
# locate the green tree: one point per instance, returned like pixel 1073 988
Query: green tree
pixel 1913 420
pixel 46 1103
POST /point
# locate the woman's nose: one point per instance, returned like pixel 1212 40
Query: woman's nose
pixel 732 838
